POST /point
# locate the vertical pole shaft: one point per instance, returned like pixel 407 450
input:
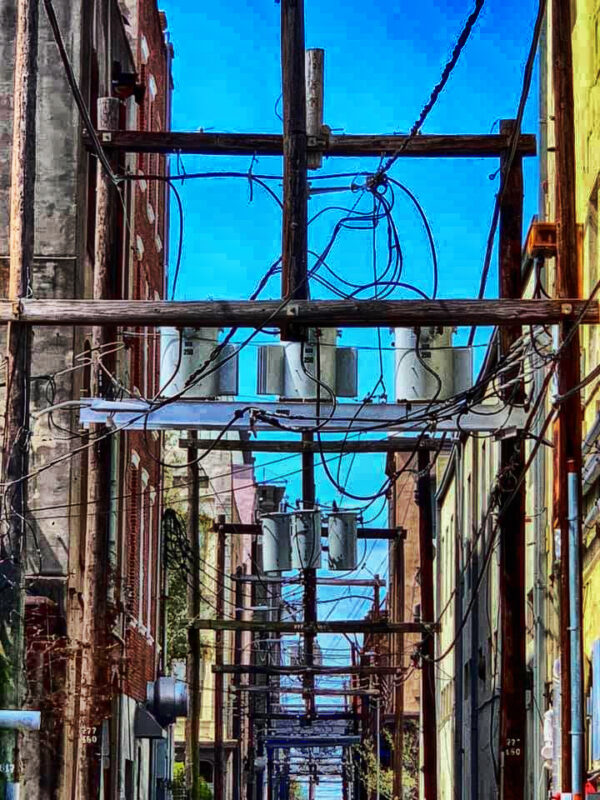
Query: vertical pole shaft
pixel 99 466
pixel 15 461
pixel 195 658
pixel 513 714
pixel 295 187
pixel 237 703
pixel 400 592
pixel 378 747
pixel 309 577
pixel 567 285
pixel 428 712
pixel 575 627
pixel 219 783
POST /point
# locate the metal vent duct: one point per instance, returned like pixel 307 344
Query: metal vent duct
pixel 167 698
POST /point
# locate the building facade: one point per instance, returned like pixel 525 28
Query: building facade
pixel 468 582
pixel 94 571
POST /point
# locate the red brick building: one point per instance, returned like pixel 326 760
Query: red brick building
pixel 95 574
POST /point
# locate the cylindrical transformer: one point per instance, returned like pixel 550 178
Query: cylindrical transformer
pixel 301 375
pixel 276 542
pixel 342 530
pixel 181 353
pixel 426 373
pixel 306 539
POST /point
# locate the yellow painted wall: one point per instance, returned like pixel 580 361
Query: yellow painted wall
pixel 447 535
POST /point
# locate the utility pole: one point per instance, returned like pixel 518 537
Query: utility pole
pixel 399 583
pixel 15 460
pixel 568 450
pixel 513 714
pixel 99 465
pixel 219 765
pixel 194 612
pixel 310 581
pixel 294 276
pixel 294 272
pixel 428 708
pixel 237 703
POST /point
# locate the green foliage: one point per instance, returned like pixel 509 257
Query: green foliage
pixel 367 770
pixel 177 617
pixel 204 792
pixel 178 781
pixel 296 792
pixel 367 766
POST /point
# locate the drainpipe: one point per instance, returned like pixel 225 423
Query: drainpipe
pixel 113 521
pixel 458 614
pixel 539 617
pixel 577 723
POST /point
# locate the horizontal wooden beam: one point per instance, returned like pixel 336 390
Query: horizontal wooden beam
pixel 289 742
pixel 239 144
pixel 325 313
pixel 370 583
pixel 396 444
pixel 251 669
pixel 304 692
pixel 249 529
pixel 298 715
pixel 333 626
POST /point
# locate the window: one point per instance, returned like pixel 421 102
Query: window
pixel 142 545
pixel 151 556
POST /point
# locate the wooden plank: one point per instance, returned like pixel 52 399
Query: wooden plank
pixel 228 144
pixel 341 313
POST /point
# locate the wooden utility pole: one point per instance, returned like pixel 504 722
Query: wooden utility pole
pixel 513 714
pixel 399 584
pixel 428 699
pixel 310 581
pixel 219 765
pixel 568 447
pixel 237 702
pixel 15 460
pixel 195 657
pixel 294 279
pixel 94 661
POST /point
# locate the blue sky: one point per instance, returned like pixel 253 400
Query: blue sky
pixel 382 60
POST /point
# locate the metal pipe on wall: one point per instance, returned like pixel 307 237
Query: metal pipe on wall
pixel 575 629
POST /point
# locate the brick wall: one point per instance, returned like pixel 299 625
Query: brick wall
pixel 406 515
pixel 141 520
